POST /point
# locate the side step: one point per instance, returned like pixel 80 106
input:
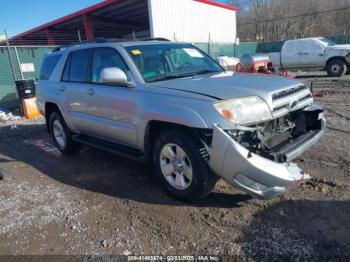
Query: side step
pixel 110 147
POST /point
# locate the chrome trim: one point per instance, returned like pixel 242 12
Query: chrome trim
pixel 288 92
pixel 286 110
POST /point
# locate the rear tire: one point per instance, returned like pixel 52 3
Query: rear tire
pixel 181 167
pixel 61 135
pixel 337 68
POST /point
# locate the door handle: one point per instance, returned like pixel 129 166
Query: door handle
pixel 62 88
pixel 91 91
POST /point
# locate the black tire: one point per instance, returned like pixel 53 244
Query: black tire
pixel 203 180
pixel 337 68
pixel 70 146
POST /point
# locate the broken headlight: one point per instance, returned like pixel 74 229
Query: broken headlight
pixel 244 111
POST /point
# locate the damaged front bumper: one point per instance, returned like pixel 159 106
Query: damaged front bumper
pixel 258 176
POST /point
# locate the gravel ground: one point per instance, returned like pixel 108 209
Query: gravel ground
pixel 95 203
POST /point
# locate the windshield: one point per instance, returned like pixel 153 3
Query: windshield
pixel 327 42
pixel 169 61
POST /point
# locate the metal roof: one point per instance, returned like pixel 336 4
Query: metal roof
pixel 110 18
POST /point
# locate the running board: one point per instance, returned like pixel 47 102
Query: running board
pixel 110 147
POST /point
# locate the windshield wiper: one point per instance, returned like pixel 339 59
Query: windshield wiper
pixel 204 71
pixel 165 77
pixel 174 76
pixel 200 72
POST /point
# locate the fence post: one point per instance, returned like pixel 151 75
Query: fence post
pixel 13 69
pixel 209 47
pixel 79 35
pixel 19 63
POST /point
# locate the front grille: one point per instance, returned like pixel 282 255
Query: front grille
pixel 279 108
pixel 276 109
pixel 288 92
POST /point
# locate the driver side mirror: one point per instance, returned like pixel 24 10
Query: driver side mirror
pixel 114 76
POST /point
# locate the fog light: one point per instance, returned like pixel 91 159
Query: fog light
pixel 247 182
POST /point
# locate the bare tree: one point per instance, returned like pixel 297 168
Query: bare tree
pixel 270 20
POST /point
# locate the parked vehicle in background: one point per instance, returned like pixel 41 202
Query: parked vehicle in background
pixel 173 104
pixel 313 54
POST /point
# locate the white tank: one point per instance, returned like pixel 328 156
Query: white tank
pixel 248 60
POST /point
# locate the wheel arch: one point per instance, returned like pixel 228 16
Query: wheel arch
pixel 49 109
pixel 335 58
pixel 155 127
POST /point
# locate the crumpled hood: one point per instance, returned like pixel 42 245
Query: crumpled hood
pixel 231 85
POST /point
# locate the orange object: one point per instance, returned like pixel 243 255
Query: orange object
pixel 227 114
pixel 30 108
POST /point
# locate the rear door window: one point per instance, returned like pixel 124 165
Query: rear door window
pixel 313 47
pixel 48 66
pixel 291 47
pixel 79 66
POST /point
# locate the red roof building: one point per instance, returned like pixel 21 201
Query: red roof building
pixel 127 19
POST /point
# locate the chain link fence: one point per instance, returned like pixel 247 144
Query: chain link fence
pixel 12 61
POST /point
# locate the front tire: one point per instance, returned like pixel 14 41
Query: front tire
pixel 61 135
pixel 337 68
pixel 181 167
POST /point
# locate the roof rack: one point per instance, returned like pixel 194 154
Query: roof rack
pixel 97 40
pixel 104 40
pixel 156 39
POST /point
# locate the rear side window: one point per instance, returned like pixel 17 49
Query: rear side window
pixel 77 67
pixel 48 66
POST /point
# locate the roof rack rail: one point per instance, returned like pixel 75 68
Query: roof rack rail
pixel 97 40
pixel 156 39
pixel 104 40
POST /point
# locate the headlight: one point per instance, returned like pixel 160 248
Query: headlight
pixel 244 111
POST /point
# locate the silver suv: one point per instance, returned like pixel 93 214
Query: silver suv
pixel 173 104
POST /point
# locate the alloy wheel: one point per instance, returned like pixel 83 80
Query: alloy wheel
pixel 176 166
pixel 59 134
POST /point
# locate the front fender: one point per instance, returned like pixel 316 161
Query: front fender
pixel 176 114
pixel 168 113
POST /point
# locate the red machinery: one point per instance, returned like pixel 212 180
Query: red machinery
pixel 260 63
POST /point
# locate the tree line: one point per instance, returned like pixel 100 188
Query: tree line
pixel 271 20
